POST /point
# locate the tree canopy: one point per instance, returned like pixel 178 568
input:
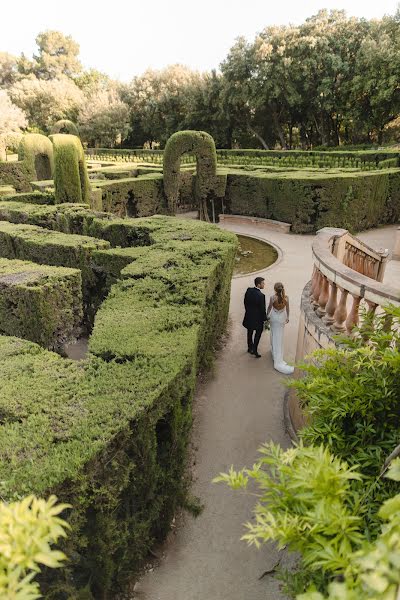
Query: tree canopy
pixel 329 81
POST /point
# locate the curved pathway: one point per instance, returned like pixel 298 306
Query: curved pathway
pixel 237 410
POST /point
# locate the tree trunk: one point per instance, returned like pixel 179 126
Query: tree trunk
pixel 278 127
pixel 258 136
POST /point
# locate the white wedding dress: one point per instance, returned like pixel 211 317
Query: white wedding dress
pixel 277 319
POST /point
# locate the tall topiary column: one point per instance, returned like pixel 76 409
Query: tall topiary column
pixel 36 151
pixel 65 126
pixel 202 145
pixel 71 180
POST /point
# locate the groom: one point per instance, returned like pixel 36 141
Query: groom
pixel 255 315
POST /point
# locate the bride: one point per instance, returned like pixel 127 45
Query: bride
pixel 278 314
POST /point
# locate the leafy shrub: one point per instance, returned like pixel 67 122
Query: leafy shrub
pixel 351 396
pixel 307 504
pixel 28 528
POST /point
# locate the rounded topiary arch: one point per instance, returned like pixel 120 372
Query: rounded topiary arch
pixel 71 180
pixel 202 145
pixel 36 151
pixel 65 126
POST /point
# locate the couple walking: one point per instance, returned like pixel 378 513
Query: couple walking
pixel 256 315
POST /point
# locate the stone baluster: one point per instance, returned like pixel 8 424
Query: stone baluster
pixel 353 316
pixel 323 297
pixel 313 282
pixel 317 288
pixel 331 306
pixel 340 314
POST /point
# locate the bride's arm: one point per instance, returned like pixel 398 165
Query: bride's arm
pixel 269 307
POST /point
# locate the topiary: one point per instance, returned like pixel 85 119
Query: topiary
pixel 71 179
pixel 202 145
pixel 65 126
pixel 36 151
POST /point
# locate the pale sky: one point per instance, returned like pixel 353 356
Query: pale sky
pixel 124 37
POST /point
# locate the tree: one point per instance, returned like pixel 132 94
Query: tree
pixel 8 70
pixel 47 101
pixel 158 102
pixel 104 118
pixel 12 118
pixel 57 56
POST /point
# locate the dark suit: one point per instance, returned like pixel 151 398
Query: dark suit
pixel 254 317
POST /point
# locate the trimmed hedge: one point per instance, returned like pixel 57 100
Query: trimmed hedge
pixel 202 145
pixel 109 435
pixel 27 242
pixel 364 160
pixel 40 303
pixel 16 174
pixel 36 151
pixel 65 126
pixel 34 197
pixel 134 197
pixel 71 180
pixel 310 201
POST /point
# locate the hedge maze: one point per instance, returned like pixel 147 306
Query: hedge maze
pixel 107 434
pixel 310 190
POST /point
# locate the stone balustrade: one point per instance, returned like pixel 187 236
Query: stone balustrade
pixel 347 275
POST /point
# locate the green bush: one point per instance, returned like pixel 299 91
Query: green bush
pixel 202 145
pixel 70 173
pixel 40 303
pixel 65 126
pixel 109 435
pixel 352 398
pixel 306 504
pixel 36 151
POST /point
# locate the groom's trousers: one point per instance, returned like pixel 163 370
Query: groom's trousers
pixel 252 344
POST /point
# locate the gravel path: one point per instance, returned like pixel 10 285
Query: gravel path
pixel 238 409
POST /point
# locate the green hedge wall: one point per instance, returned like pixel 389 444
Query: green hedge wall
pixel 133 197
pixel 27 242
pixel 40 303
pixel 309 201
pixel 109 435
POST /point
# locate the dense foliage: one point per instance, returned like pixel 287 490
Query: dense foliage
pixel 330 80
pixel 306 503
pixel 326 497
